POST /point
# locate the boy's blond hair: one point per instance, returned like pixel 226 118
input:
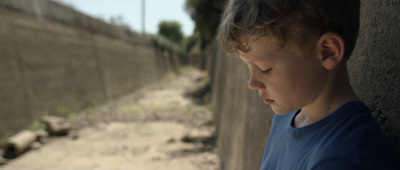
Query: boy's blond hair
pixel 291 23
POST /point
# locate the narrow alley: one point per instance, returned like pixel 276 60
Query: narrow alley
pixel 156 127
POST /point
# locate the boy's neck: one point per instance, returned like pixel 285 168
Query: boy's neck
pixel 337 92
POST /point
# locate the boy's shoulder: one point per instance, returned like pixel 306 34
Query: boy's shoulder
pixel 355 138
pixel 351 125
pixel 350 135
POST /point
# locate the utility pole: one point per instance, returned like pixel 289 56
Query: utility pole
pixel 143 17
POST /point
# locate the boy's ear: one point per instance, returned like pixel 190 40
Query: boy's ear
pixel 330 50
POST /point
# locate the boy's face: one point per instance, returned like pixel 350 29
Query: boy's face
pixel 284 79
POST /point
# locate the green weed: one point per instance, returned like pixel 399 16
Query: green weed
pixel 37 125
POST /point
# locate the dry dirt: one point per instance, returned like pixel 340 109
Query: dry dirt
pixel 154 128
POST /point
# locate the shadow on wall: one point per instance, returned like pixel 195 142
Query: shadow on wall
pixel 374 66
pixel 243 121
pixel 53 67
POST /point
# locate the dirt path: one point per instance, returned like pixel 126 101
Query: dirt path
pixel 154 128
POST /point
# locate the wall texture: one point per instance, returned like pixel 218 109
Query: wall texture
pixel 242 119
pixel 52 64
pixel 375 64
pixel 243 122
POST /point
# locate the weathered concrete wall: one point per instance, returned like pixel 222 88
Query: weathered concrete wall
pixel 48 66
pixel 243 121
pixel 375 64
pixel 50 10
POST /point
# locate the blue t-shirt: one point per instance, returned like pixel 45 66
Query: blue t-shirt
pixel 349 138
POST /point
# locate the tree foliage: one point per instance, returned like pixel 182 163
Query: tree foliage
pixel 206 14
pixel 171 30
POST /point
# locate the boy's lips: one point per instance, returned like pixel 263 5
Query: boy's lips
pixel 268 101
pixel 265 99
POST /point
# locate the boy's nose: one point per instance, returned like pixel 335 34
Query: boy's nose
pixel 255 84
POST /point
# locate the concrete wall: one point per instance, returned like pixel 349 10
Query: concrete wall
pixel 53 66
pixel 375 64
pixel 44 10
pixel 243 122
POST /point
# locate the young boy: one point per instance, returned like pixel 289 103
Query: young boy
pixel 297 51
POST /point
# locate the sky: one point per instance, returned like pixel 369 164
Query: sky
pixel 130 11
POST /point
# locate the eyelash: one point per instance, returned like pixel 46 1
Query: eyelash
pixel 266 71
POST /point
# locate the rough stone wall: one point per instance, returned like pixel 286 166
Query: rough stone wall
pixel 375 65
pixel 53 67
pixel 243 121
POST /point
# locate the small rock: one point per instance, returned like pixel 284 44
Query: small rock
pixel 172 140
pixel 3 161
pixel 75 136
pixel 42 136
pixel 36 145
pixel 187 139
pixel 56 126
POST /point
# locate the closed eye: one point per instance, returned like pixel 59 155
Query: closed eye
pixel 266 71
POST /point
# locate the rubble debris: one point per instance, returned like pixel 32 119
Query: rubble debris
pixel 42 136
pixel 200 91
pixel 171 140
pixel 74 136
pixel 36 145
pixel 3 161
pixel 19 143
pixel 27 139
pixel 56 126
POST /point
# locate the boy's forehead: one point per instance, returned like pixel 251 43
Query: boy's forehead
pixel 261 47
pixel 246 57
pixel 250 57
